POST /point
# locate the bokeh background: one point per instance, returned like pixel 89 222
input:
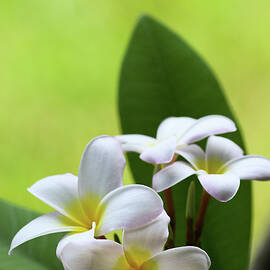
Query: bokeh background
pixel 59 68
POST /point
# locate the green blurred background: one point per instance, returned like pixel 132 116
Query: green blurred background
pixel 59 66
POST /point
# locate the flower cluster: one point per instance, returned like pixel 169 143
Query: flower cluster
pixel 219 168
pixel 96 203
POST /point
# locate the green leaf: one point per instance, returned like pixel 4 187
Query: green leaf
pixel 262 259
pixel 37 254
pixel 162 76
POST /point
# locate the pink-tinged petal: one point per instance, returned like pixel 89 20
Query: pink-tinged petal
pixel 250 167
pixel 174 126
pixel 222 187
pixel 220 150
pixel 194 155
pixel 207 126
pixel 84 253
pixel 127 208
pixel 171 175
pixel 101 168
pixel 146 241
pixel 181 258
pixel 46 224
pixel 61 193
pixel 135 142
pixel 160 153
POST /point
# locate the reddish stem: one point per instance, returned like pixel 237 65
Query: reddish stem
pixel 201 217
pixel 170 208
pixel 169 202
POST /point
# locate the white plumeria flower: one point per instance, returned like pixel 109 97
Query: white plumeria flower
pixel 174 133
pixel 93 198
pixel 219 169
pixel 142 249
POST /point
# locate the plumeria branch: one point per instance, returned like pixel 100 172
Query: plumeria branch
pixel 95 203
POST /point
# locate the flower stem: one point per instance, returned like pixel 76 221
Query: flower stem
pixel 169 205
pixel 170 208
pixel 168 196
pixel 201 217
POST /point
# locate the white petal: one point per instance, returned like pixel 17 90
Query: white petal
pixel 250 167
pixel 174 126
pixel 146 241
pixel 128 207
pixel 84 253
pixel 207 126
pixel 135 142
pixel 77 236
pixel 222 187
pixel 46 224
pixel 61 193
pixel 181 258
pixel 194 155
pixel 162 152
pixel 220 150
pixel 101 167
pixel 171 175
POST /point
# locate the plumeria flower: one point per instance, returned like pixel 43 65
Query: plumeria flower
pixel 174 133
pixel 219 169
pixel 142 249
pixel 95 197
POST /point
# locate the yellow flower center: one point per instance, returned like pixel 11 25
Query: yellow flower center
pixel 84 211
pixel 136 258
pixel 211 166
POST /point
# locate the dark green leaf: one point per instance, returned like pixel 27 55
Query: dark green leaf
pixel 38 254
pixel 162 76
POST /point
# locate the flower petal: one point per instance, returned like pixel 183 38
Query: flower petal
pixel 122 208
pixel 143 243
pixel 250 167
pixel 220 150
pixel 61 193
pixel 46 224
pixel 184 258
pixel 194 155
pixel 162 152
pixel 74 236
pixel 83 253
pixel 207 126
pixel 135 142
pixel 174 126
pixel 101 167
pixel 222 187
pixel 171 175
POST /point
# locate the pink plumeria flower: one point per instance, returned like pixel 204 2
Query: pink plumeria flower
pixel 142 249
pixel 95 197
pixel 174 133
pixel 219 169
